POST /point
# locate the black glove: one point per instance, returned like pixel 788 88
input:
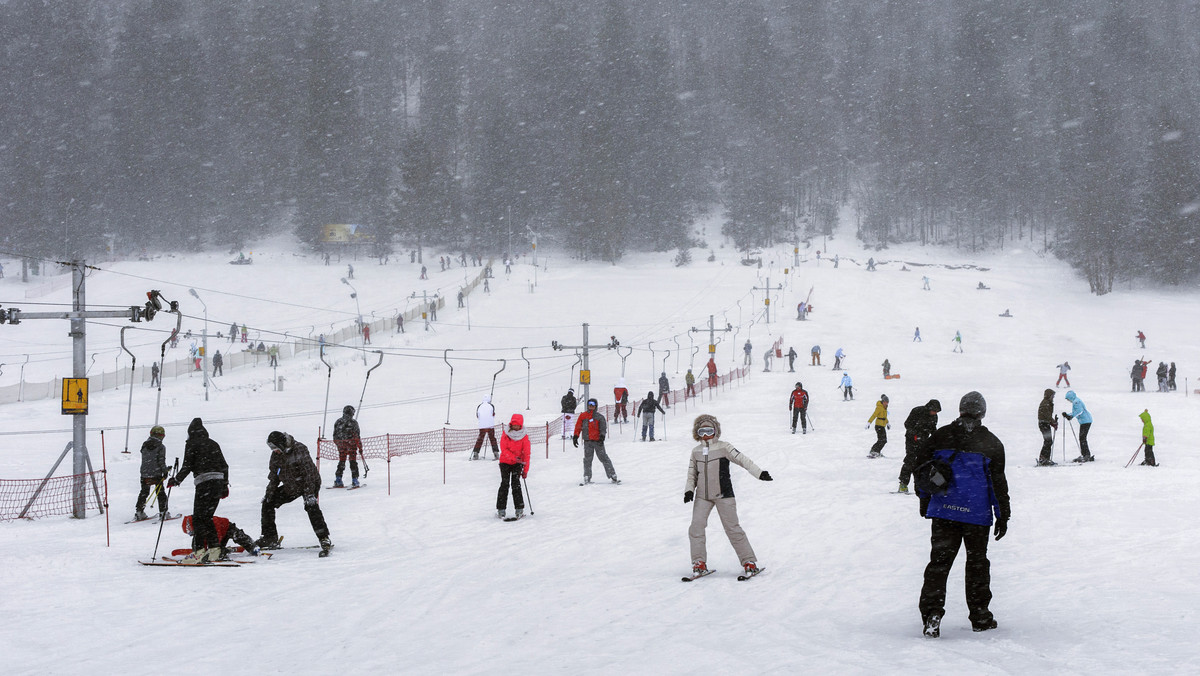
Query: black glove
pixel 602 437
pixel 687 497
pixel 575 441
pixel 310 500
pixel 765 476
pixel 1067 416
pixel 172 482
pixel 225 493
pixel 1001 528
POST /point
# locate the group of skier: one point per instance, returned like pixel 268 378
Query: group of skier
pixel 291 475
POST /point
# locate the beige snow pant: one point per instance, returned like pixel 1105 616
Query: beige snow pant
pixel 727 510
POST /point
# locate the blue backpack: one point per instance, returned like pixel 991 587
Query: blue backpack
pixel 966 495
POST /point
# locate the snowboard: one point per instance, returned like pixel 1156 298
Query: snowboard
pixel 892 377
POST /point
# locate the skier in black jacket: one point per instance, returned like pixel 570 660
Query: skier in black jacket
pixel 568 412
pixel 918 426
pixel 966 434
pixel 1047 422
pixel 291 474
pixel 347 436
pixel 203 459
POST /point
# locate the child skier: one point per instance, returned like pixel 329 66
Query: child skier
pixel 154 472
pixel 514 461
pixel 709 484
pixel 1148 438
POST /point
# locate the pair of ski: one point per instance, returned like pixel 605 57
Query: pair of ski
pixel 741 578
pixel 155 519
pixel 351 487
pixel 590 482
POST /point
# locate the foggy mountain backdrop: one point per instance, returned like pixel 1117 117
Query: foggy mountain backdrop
pixel 606 126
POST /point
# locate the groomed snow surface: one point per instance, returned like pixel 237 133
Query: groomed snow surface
pixel 1098 572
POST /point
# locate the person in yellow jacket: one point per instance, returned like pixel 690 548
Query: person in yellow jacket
pixel 1148 437
pixel 879 417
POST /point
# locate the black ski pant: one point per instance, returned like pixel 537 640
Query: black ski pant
pixel 802 415
pixel 880 439
pixel 847 393
pixel 1083 444
pixel 510 474
pixel 204 505
pixel 911 446
pixel 490 433
pixel 945 539
pixel 148 484
pixel 276 499
pixel 1047 442
pixel 1149 460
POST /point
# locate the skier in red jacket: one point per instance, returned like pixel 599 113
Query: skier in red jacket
pixel 798 405
pixel 514 461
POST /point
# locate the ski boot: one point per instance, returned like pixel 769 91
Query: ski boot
pixel 267 543
pixel 985 625
pixel 520 513
pixel 614 479
pixel 699 567
pixel 501 513
pixel 750 567
pixel 1046 463
pixel 874 454
pixel 933 626
pixel 337 482
pixel 354 482
pixel 1085 458
pixel 140 515
pixel 326 545
pixel 903 488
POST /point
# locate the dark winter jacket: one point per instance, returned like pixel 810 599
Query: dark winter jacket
pixel 202 457
pixel 292 471
pixel 569 403
pixel 154 458
pixel 969 434
pixel 218 360
pixel 649 404
pixel 920 424
pixel 664 385
pixel 346 434
pixel 1136 371
pixel 1046 409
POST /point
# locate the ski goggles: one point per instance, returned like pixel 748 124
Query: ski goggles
pixel 514 427
pixel 274 448
pixel 706 431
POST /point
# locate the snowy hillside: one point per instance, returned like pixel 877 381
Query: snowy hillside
pixel 1096 574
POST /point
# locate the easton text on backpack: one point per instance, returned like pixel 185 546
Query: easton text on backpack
pixel 969 496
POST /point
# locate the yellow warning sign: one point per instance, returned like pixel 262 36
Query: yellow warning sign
pixel 585 377
pixel 712 348
pixel 75 396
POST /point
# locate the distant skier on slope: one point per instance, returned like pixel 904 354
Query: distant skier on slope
pixel 879 417
pixel 646 412
pixel 847 386
pixel 798 405
pixel 1047 422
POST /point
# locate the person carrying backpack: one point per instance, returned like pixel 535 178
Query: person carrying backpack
pixel 962 513
pixel 918 426
pixel 798 405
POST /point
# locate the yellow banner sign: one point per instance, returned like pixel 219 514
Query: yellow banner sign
pixel 75 396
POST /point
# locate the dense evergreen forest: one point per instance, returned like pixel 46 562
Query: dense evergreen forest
pixel 606 126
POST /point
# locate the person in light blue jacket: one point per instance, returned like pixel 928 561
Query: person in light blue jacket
pixel 847 386
pixel 1080 412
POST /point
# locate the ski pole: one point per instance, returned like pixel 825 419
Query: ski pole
pixel 527 500
pixel 1135 454
pixel 808 417
pixel 163 519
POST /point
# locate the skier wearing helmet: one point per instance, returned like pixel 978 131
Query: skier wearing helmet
pixel 348 438
pixel 154 472
pixel 879 417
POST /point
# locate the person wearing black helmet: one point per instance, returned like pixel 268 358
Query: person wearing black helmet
pixel 879 417
pixel 961 512
pixel 291 474
pixel 798 405
pixel 646 411
pixel 203 459
pixel 348 438
pixel 918 426
pixel 594 428
pixel 154 472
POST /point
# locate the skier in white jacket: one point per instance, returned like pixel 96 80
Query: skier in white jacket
pixel 709 484
pixel 486 414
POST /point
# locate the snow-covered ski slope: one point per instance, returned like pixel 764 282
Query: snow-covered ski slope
pixel 1097 573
